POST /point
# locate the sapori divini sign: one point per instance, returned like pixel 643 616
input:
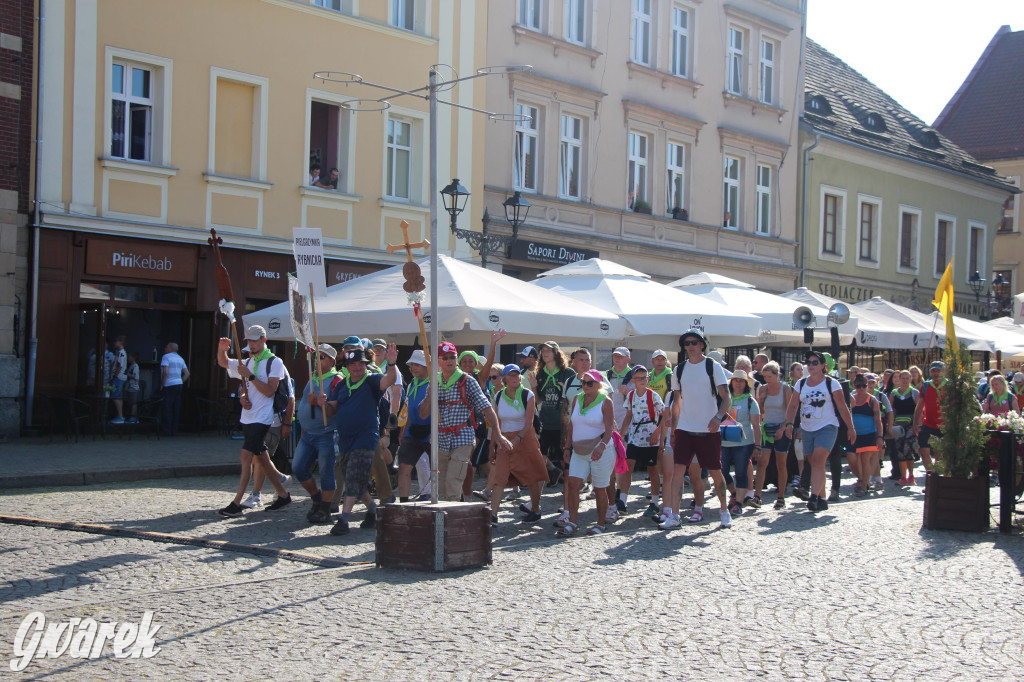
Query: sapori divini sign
pixel 156 261
pixel 541 252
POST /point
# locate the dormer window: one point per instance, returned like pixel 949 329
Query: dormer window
pixel 873 121
pixel 819 105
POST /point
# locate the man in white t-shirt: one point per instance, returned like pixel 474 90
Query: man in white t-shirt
pixel 119 377
pixel 260 375
pixel 701 403
pixel 173 375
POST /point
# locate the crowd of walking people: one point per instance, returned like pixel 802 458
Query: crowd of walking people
pixel 550 419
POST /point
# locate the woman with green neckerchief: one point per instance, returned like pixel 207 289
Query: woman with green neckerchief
pixel 591 452
pixel 736 454
pixel 317 441
pixel 552 375
pixel 903 398
pixel 999 399
pixel 524 464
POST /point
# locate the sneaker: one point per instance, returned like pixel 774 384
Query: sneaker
pixel 117 420
pixel 494 521
pixel 726 518
pixel 531 518
pixel 697 517
pixel 595 530
pixel 526 508
pixel 585 488
pixel 822 504
pixel 279 503
pixel 562 519
pixel 651 511
pixel 834 495
pixel 801 493
pixel 735 508
pixel 335 509
pixel 131 420
pixel 812 503
pixel 252 501
pixel 796 481
pixel 670 522
pixel 369 521
pixel 317 514
pixel 878 486
pixel 514 494
pixel 621 506
pixel 859 491
pixel 484 495
pixel 612 516
pixel 231 510
pixel 554 477
pixel 340 527
pixel 425 497
pixel 911 480
pixel 661 518
pixel 285 480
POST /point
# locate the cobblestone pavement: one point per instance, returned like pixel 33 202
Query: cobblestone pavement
pixel 857 592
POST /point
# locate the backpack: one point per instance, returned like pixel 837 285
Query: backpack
pixel 650 403
pixel 281 396
pixel 709 367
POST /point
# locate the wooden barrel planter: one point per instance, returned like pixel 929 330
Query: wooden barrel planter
pixel 447 536
pixel 956 503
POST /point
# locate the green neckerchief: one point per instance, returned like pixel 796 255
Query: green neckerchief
pixel 416 383
pixel 517 400
pixel 1001 397
pixel 351 387
pixel 620 375
pixel 373 369
pixel 597 401
pixel 737 399
pixel 445 385
pixel 901 394
pixel 262 355
pixel 327 375
pixel 551 376
pixel 658 376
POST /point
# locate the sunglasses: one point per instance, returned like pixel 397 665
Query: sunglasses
pixel 691 342
pixel 495 376
pixel 449 357
pixel 643 378
pixel 813 363
pixel 588 383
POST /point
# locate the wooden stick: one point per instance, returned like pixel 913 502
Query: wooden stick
pixel 316 341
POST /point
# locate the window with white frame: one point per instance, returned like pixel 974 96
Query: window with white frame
pixel 131 111
pixel 526 147
pixel 868 237
pixel 336 5
pixel 764 199
pixel 399 160
pixel 680 65
pixel 330 146
pixel 636 180
pixel 910 227
pixel 734 64
pixel 976 258
pixel 530 14
pixel 731 192
pixel 832 214
pixel 403 14
pixel 641 30
pixel 945 238
pixel 767 72
pixel 570 164
pixel 675 177
pixel 576 21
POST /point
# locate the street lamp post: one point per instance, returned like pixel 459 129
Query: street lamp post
pixel 997 299
pixel 455 196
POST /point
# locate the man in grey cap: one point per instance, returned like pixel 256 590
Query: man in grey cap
pixel 317 441
pixel 261 374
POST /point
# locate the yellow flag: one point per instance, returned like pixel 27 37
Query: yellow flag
pixel 944 302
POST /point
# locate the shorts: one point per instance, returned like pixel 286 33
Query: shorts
pixel 551 445
pixel 117 388
pixel 600 472
pixel 273 439
pixel 866 442
pixel 825 438
pixel 925 434
pixel 706 447
pixel 410 450
pixel 255 437
pixel 644 457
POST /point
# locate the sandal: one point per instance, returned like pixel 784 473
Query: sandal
pixel 569 528
pixel 595 530
pixel 780 503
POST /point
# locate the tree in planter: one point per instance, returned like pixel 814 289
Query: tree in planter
pixel 962 445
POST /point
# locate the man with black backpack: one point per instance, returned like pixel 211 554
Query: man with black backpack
pixel 701 390
pixel 261 376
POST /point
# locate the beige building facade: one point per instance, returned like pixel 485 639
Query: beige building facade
pixel 661 134
pixel 164 120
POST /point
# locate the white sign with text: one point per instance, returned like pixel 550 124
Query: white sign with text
pixel 308 245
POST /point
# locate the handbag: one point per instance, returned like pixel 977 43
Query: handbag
pixel 586 447
pixel 731 430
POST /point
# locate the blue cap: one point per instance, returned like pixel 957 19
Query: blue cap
pixel 511 368
pixel 351 341
pixel 365 343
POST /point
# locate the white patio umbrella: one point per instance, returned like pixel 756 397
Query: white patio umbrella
pixel 1006 325
pixel 933 329
pixel 472 302
pixel 872 331
pixel 656 313
pixel 1001 339
pixel 776 312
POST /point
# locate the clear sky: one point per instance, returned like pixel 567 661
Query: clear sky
pixel 917 51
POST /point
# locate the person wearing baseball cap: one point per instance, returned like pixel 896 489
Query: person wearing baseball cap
pixel 1017 386
pixel 351 342
pixel 414 450
pixel 317 441
pixel 260 375
pixel 619 377
pixel 355 405
pixel 928 413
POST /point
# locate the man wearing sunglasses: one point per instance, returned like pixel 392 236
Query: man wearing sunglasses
pixel 701 403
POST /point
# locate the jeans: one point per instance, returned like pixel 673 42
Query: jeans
pixel 171 411
pixel 321 448
pixel 740 458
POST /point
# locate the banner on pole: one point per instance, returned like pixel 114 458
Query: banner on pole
pixel 297 305
pixel 307 243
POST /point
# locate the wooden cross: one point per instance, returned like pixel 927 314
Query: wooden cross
pixel 408 247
